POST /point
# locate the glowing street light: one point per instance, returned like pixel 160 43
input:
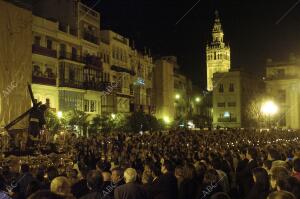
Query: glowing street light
pixel 269 108
pixel 177 96
pixel 59 114
pixel 113 116
pixel 166 119
pixel 197 99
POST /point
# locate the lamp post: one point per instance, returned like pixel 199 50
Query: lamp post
pixel 269 108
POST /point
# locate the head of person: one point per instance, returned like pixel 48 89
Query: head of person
pixel 211 176
pixel 216 163
pixel 24 168
pixel 277 173
pixel 155 171
pixel 116 175
pixel 52 173
pixel 166 167
pixel 32 187
pixel 289 184
pixel 130 175
pixel 281 195
pixel 281 163
pixel 61 186
pixel 179 174
pixel 72 173
pixel 261 177
pixel 273 155
pixel 267 164
pixel 94 180
pixel 251 154
pixel 104 166
pixel 45 194
pixel 189 171
pixel 243 153
pixel 220 195
pixel 296 165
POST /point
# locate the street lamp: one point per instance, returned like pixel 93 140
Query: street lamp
pixel 197 99
pixel 166 119
pixel 177 96
pixel 269 108
pixel 59 114
pixel 113 116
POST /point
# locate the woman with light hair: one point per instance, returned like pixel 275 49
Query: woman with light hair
pixel 61 186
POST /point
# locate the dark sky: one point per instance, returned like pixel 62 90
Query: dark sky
pixel 250 29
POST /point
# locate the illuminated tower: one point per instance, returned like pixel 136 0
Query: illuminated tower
pixel 217 53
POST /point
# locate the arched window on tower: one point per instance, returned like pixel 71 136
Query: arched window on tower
pixel 215 56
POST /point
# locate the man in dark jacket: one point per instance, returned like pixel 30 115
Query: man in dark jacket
pixel 165 187
pixel 130 190
pixel 94 183
pixel 246 174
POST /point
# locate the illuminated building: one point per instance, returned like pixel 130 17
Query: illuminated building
pixel 282 84
pixel 163 87
pixel 217 53
pixel 233 93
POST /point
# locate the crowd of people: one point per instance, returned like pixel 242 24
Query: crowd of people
pixel 221 164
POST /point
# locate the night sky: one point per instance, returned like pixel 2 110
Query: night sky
pixel 250 29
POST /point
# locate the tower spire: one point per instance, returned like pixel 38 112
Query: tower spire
pixel 218 54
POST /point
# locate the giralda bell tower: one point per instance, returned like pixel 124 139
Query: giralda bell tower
pixel 217 53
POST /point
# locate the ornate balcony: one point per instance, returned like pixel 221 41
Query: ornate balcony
pixel 233 119
pixel 44 51
pixel 43 80
pixel 92 60
pixel 71 84
pixel 71 56
pixel 90 37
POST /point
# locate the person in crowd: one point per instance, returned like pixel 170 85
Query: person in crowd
pixel 278 173
pixel 210 184
pixel 245 175
pixel 166 184
pixel 188 186
pixel 242 163
pixel 80 188
pixel 45 194
pixel 273 155
pixel 267 165
pixel 220 195
pixel 296 168
pixel 289 184
pixel 261 187
pixel 94 184
pixel 24 179
pixel 224 181
pixel 179 175
pixel 117 177
pixel 50 175
pixel 130 190
pixel 281 195
pixel 3 190
pixel 61 186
